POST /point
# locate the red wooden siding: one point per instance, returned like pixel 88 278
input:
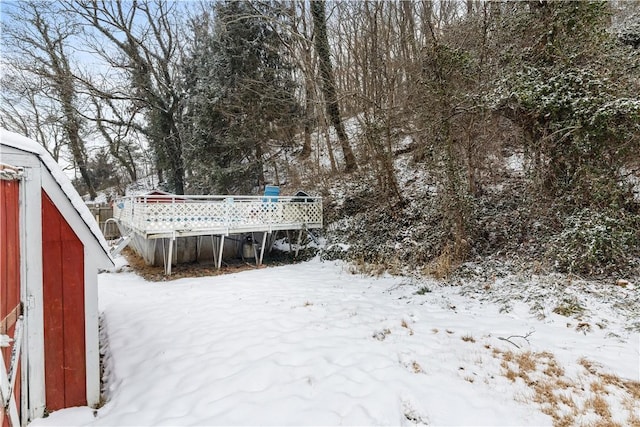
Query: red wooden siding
pixel 9 272
pixel 64 319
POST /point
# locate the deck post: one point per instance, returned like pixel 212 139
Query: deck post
pixel 164 254
pixel 298 244
pixel 221 251
pixel 214 253
pixel 264 241
pixel 167 266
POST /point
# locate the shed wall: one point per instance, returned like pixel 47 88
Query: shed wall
pixel 9 273
pixel 64 311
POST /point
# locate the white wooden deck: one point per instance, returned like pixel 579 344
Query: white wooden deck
pixel 171 216
pixel 160 216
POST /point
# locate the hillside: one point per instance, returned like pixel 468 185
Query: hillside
pixel 411 237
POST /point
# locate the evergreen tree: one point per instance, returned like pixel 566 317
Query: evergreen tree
pixel 240 96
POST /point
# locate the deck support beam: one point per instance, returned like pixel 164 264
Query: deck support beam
pixel 169 260
pixel 298 243
pixel 214 252
pixel 221 251
pixel 264 241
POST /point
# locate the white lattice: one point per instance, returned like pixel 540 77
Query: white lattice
pixel 162 215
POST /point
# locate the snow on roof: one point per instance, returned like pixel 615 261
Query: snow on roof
pixel 25 144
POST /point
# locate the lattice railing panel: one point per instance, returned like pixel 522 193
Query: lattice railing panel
pixel 209 214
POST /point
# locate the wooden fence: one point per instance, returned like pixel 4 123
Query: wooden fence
pixel 102 213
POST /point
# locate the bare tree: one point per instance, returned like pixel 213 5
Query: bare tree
pixel 25 109
pixel 328 82
pixel 141 40
pixel 40 47
pixel 301 49
pixel 118 134
pixel 300 45
pixel 376 59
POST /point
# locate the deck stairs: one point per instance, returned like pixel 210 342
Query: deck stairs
pixel 120 244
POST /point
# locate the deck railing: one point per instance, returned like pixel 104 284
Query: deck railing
pixel 159 215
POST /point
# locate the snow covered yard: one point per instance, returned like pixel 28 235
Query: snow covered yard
pixel 313 344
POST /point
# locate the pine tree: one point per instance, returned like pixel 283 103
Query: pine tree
pixel 240 96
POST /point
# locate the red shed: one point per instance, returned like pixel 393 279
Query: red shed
pixel 50 251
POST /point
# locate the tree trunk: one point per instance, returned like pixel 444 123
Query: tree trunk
pixel 79 154
pixel 176 160
pixel 328 82
pixel 71 125
pixel 308 110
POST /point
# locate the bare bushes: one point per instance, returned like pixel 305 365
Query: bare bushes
pixel 508 221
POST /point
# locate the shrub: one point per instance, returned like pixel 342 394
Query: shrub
pixel 596 242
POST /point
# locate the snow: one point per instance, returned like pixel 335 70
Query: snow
pixel 515 162
pixel 314 344
pixel 142 185
pixel 25 144
pixel 633 179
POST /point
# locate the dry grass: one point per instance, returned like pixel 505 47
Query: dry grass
pixel 405 325
pixel 442 266
pixel 598 388
pixel 511 375
pixel 416 367
pixel 468 338
pixel 588 365
pixel 553 369
pixel 526 362
pixel 448 260
pixel 545 393
pixel 634 421
pixel 565 421
pixel 567 400
pixel 564 398
pixel 360 266
pixel 584 327
pixel 377 268
pixel 600 406
pixel 631 388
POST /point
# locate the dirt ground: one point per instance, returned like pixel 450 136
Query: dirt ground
pixel 197 269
